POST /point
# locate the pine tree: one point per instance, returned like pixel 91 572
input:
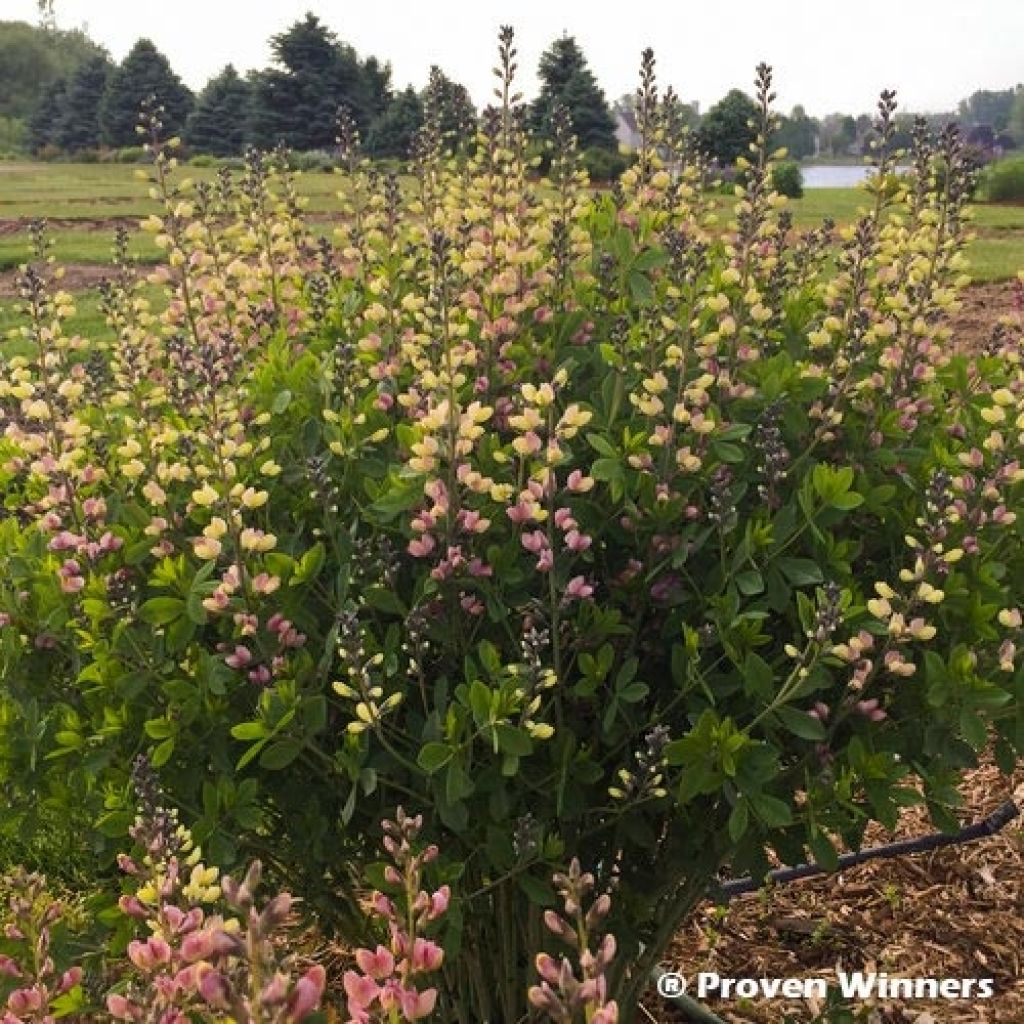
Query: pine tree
pixel 451 104
pixel 392 134
pixel 143 73
pixel 78 125
pixel 567 81
pixel 42 126
pixel 297 102
pixel 217 124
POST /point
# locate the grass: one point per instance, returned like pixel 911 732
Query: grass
pixel 97 191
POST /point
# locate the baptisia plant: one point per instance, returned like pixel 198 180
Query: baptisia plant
pixel 636 529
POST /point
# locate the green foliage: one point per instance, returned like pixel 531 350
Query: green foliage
pixel 567 82
pixel 393 132
pixel 32 59
pixel 797 134
pixel 297 102
pixel 787 179
pixel 144 72
pixel 1002 181
pixel 726 130
pixel 989 107
pixel 78 123
pixel 218 121
pixel 603 165
pixel 44 125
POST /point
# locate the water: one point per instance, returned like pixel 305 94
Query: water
pixel 835 175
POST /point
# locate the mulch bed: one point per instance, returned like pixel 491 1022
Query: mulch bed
pixel 957 912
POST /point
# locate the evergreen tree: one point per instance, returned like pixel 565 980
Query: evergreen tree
pixel 567 81
pixel 43 125
pixel 143 73
pixel 393 132
pixel 725 132
pixel 451 104
pixel 297 102
pixel 78 125
pixel 217 124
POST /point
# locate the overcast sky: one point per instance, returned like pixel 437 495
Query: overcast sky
pixel 827 55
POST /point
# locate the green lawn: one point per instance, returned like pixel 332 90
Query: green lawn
pixel 97 191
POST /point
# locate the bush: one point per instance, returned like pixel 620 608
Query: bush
pixel 1002 181
pixel 312 160
pixel 130 155
pixel 787 179
pixel 604 165
pixel 591 537
pixel 203 160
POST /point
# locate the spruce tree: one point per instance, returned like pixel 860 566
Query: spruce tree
pixel 451 103
pixel 217 124
pixel 43 125
pixel 143 73
pixel 568 82
pixel 78 125
pixel 297 102
pixel 392 134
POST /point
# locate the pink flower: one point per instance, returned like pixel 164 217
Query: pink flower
pixel 577 589
pixel 122 1009
pixel 426 955
pixel 420 547
pixel 213 987
pixel 576 541
pixel 360 990
pixel 439 902
pixel 378 964
pixel 306 995
pixel 535 541
pixel 417 1005
pixel 241 657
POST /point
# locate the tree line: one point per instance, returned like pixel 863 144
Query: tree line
pixel 73 98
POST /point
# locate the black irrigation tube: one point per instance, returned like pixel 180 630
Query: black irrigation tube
pixel 725 891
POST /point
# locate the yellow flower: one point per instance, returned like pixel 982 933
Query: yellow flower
pixel 1010 618
pixel 206 548
pixel 205 495
pixel 930 594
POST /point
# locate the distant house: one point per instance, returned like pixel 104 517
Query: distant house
pixel 626 130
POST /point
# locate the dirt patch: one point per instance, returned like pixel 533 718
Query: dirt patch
pixel 19 225
pixel 952 913
pixel 78 277
pixel 981 307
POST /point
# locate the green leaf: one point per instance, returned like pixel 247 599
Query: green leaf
pixel 726 451
pixel 249 731
pixel 847 501
pixel 281 401
pixel 749 582
pixel 162 754
pixel 738 821
pixel 774 813
pixel 310 564
pixel 758 678
pixel 538 891
pixel 512 740
pixel 280 754
pixel 799 723
pixel 384 600
pixel 159 611
pixel 434 756
pixel 801 572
